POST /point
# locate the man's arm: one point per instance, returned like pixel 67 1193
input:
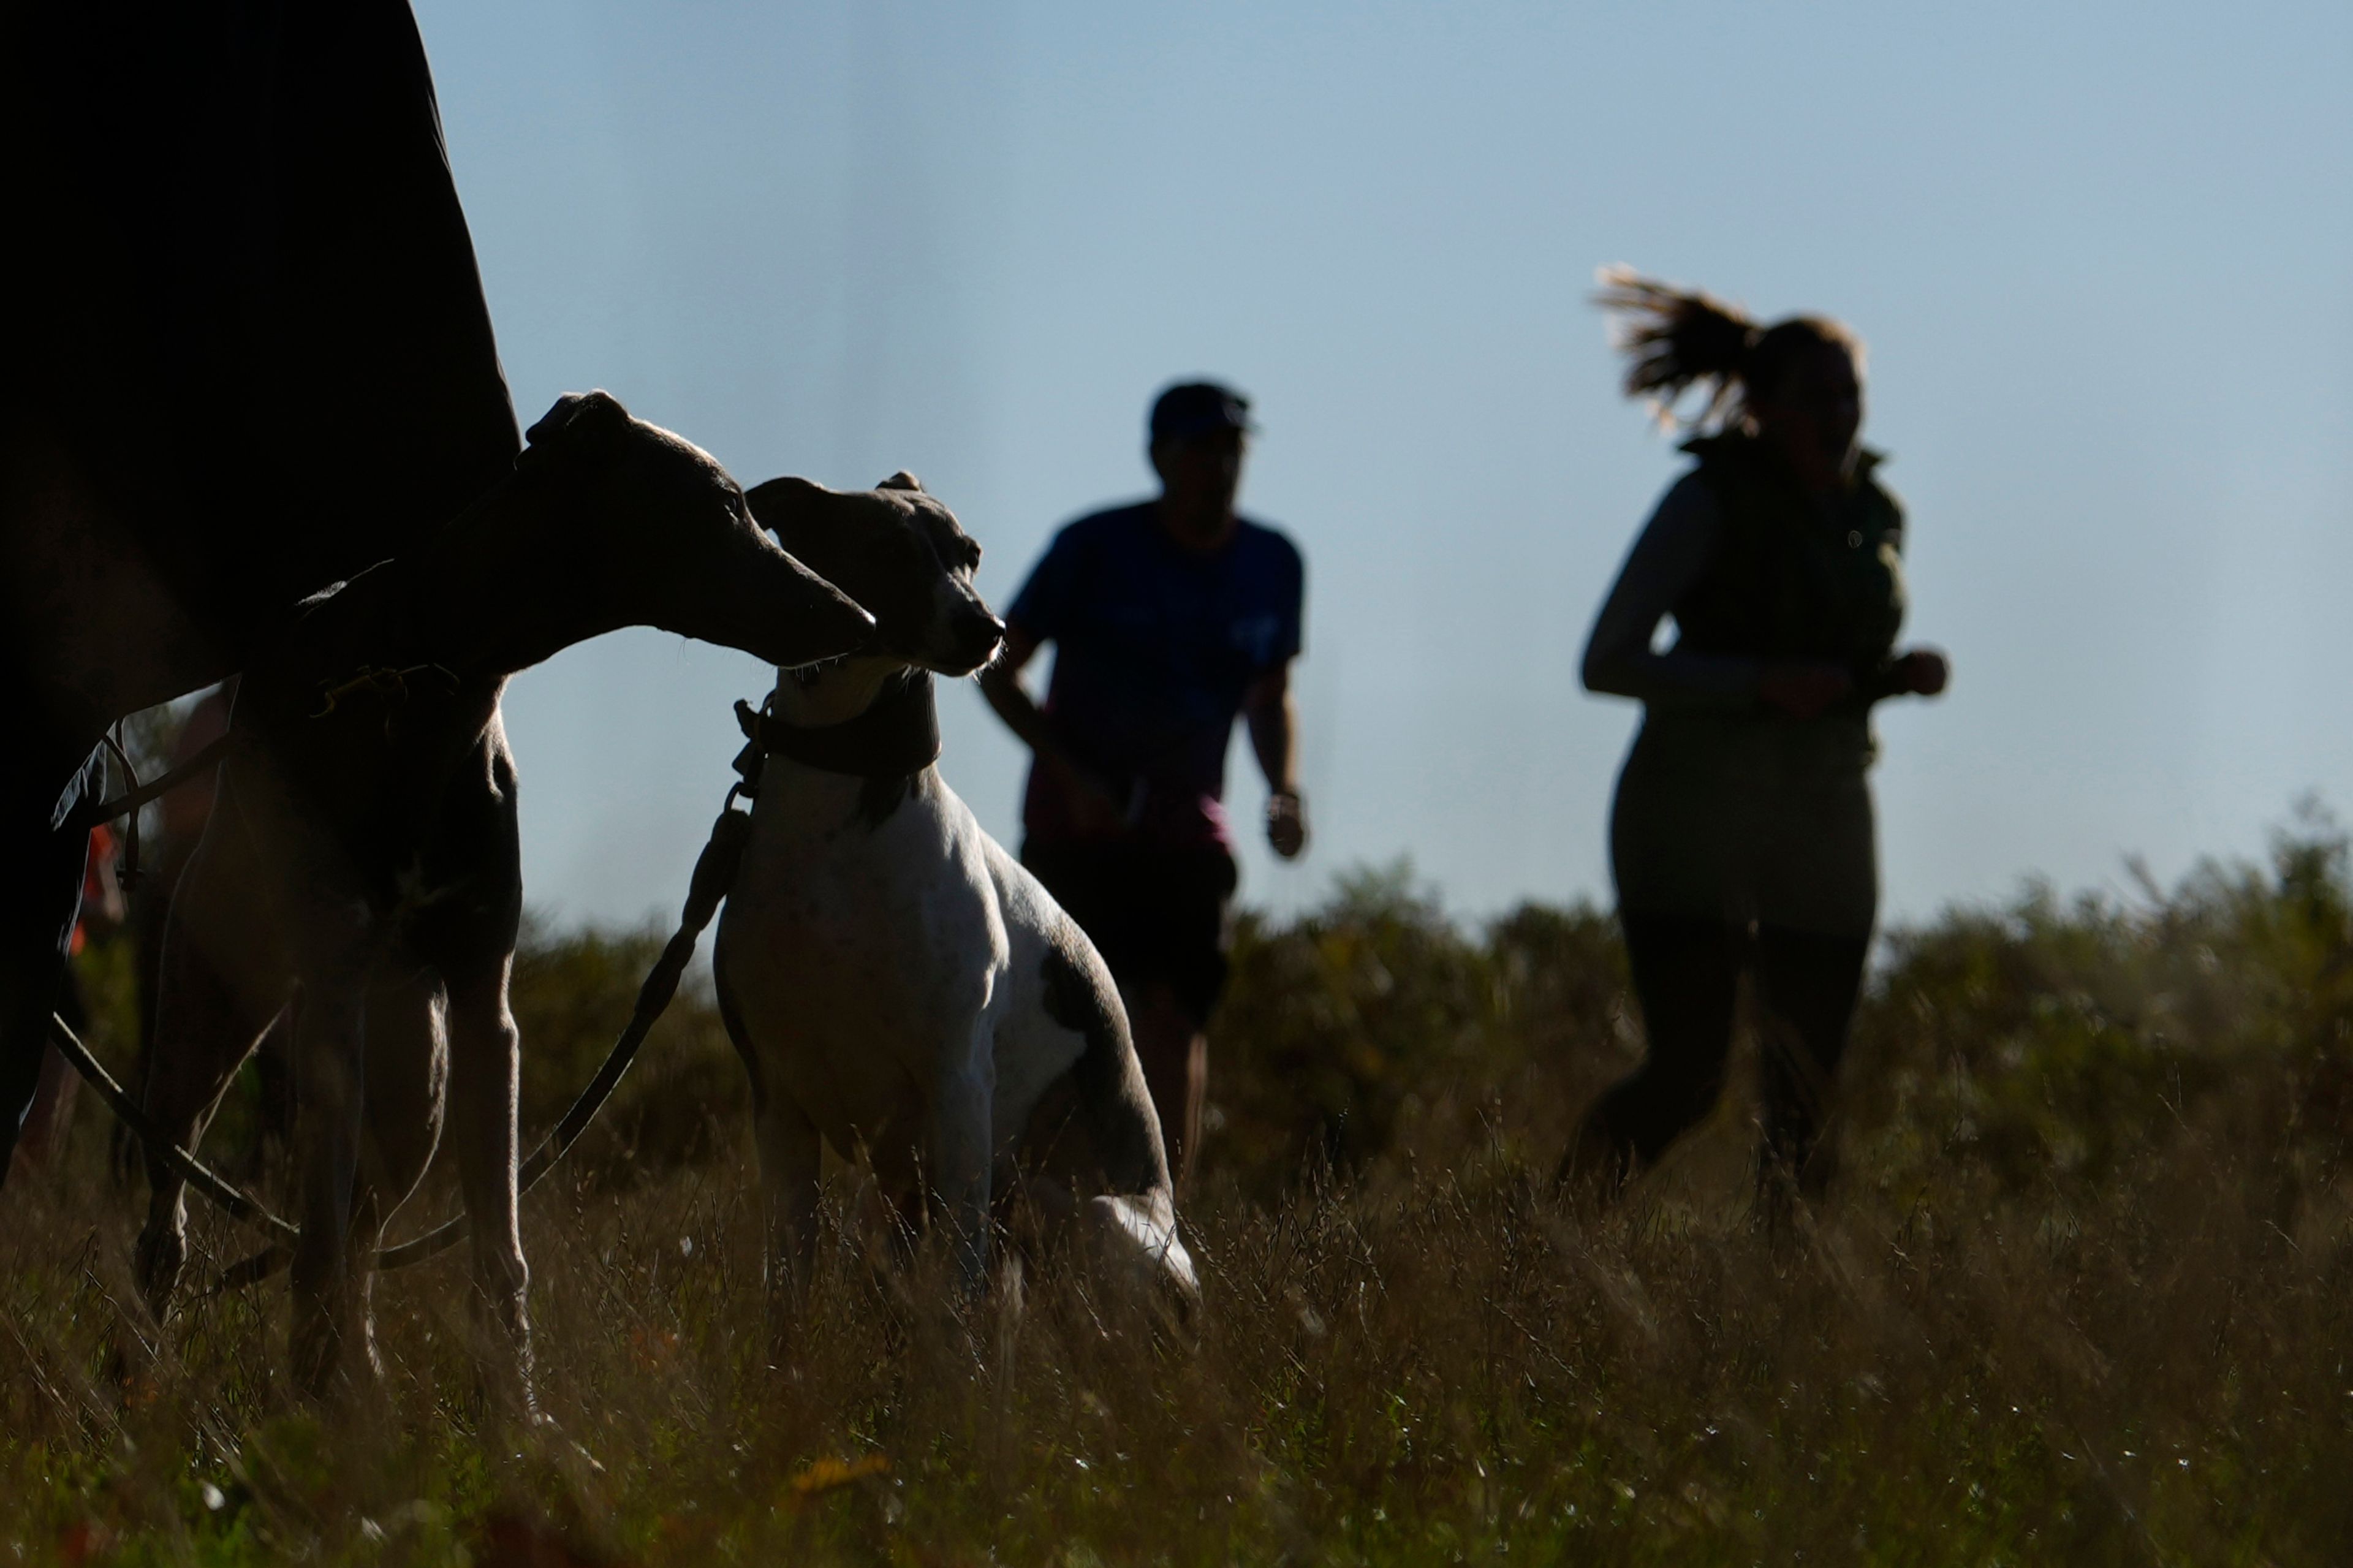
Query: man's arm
pixel 1001 684
pixel 1097 812
pixel 1273 718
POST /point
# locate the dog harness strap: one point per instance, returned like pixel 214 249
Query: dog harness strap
pixel 897 735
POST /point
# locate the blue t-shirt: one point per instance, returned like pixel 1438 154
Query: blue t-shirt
pixel 1154 647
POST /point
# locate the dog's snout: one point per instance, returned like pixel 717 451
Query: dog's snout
pixel 979 634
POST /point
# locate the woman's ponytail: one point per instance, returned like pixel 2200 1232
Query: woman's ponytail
pixel 1675 339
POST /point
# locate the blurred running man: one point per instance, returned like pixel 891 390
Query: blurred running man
pixel 1170 618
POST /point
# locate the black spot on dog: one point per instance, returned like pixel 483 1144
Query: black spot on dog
pixel 1073 1001
pixel 1079 995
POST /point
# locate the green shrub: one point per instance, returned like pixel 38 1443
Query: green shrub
pixel 2050 1041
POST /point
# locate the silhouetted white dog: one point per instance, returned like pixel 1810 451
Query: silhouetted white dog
pixel 896 982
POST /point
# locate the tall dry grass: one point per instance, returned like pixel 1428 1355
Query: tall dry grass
pixel 2079 1295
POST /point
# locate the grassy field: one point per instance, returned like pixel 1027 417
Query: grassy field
pixel 2080 1294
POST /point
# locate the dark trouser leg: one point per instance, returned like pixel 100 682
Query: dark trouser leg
pixel 40 897
pixel 1686 974
pixel 1807 984
pixel 1175 1056
pixel 1159 915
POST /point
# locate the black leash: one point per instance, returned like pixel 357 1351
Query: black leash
pixel 92 813
pixel 186 1167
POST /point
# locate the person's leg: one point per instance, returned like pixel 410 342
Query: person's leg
pixel 1191 930
pixel 151 903
pixel 1807 985
pixel 1174 1051
pixel 1686 975
pixel 41 1142
pixel 1158 917
pixel 40 896
pixel 1818 902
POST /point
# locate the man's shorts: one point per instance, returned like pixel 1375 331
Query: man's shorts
pixel 1155 912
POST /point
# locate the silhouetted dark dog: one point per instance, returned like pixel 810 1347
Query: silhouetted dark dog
pixel 362 868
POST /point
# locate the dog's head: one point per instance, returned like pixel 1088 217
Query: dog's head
pixel 642 527
pixel 898 553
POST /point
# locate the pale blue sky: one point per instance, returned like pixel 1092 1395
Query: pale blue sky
pixel 2102 254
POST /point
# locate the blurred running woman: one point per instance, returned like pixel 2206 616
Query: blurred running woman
pixel 1168 616
pixel 1742 835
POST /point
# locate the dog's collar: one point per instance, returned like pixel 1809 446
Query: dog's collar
pixel 897 735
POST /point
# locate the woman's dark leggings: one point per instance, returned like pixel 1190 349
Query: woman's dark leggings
pixel 1686 974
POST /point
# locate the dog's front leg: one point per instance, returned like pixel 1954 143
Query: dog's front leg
pixel 330 1048
pixel 791 1161
pixel 485 1076
pixel 201 1036
pixel 963 1107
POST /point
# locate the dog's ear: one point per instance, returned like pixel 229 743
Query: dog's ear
pixel 903 480
pixel 577 418
pixel 790 508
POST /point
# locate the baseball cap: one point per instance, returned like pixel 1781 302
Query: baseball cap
pixel 1193 408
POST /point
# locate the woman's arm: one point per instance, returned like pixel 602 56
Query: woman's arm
pixel 1674 548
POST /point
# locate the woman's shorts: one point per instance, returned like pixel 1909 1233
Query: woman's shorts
pixel 1155 912
pixel 1750 820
